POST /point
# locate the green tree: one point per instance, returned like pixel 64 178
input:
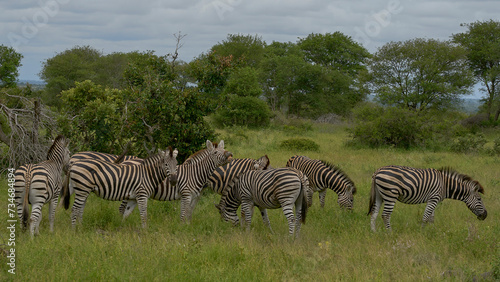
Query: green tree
pixel 420 74
pixel 92 117
pixel 482 42
pixel 335 51
pixel 246 49
pixel 10 61
pixel 62 71
pixel 211 72
pixel 244 110
pixel 296 86
pixel 244 82
pixel 160 113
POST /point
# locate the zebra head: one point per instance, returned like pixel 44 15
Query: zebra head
pixel 346 196
pixel 170 164
pixel 473 199
pixel 229 202
pixel 262 163
pixel 228 211
pixel 218 154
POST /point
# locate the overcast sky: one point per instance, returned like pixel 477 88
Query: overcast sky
pixel 40 29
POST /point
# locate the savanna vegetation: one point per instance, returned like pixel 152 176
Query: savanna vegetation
pixel 334 244
pixel 266 98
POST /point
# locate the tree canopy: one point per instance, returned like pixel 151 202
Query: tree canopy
pixel 482 42
pixel 10 61
pixel 420 74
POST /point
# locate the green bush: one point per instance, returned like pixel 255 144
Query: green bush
pixel 377 126
pixel 469 144
pixel 301 144
pixel 244 111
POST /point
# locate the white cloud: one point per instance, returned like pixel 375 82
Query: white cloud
pixel 127 25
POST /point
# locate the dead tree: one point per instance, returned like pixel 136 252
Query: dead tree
pixel 21 128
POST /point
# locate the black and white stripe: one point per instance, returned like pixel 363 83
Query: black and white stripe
pixel 324 175
pixel 191 178
pixel 222 175
pixel 37 184
pixel 266 189
pixel 115 182
pixel 415 186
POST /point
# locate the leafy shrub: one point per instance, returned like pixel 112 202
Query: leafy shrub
pixel 244 111
pixel 496 147
pixel 468 144
pixel 301 144
pixel 377 126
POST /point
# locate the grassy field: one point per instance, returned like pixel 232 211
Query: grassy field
pixel 334 244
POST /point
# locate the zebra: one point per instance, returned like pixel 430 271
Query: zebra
pixel 224 174
pixel 324 175
pixel 266 189
pixel 415 186
pixel 191 178
pixel 116 182
pixel 37 184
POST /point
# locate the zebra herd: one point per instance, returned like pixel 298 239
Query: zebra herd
pixel 240 182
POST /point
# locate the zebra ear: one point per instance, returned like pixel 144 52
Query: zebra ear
pixel 210 146
pixel 221 144
pixel 174 153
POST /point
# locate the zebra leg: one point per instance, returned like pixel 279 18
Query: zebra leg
pixel 122 207
pixel 142 202
pixel 185 203
pixel 288 211
pixel 322 196
pixel 194 200
pixel 375 210
pixel 265 218
pixel 298 217
pixel 52 211
pixel 129 207
pixel 386 214
pixel 78 206
pixel 429 211
pixel 247 208
pixel 36 217
pixel 243 219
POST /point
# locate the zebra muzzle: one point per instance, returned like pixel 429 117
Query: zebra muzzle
pixel 173 179
pixel 483 215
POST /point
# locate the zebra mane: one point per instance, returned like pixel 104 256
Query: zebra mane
pixel 339 171
pixel 197 156
pixel 59 140
pixel 450 172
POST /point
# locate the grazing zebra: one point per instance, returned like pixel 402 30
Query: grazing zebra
pixel 119 182
pixel 416 186
pixel 224 174
pixel 324 175
pixel 191 178
pixel 37 184
pixel 266 189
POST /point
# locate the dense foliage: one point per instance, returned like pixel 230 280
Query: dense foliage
pixel 420 74
pixel 103 101
pixel 10 61
pixel 482 42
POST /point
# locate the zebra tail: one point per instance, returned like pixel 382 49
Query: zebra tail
pixel 303 211
pixel 373 196
pixel 65 195
pixel 26 201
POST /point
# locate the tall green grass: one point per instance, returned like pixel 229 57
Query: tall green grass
pixel 334 244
